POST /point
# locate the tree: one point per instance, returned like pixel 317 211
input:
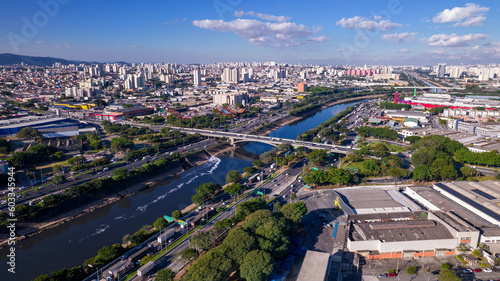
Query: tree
pixel 380 150
pixel 422 173
pixel 411 269
pixel 317 156
pixel 234 189
pixel 294 212
pixel 238 244
pixel 468 171
pixel 120 174
pixel 338 176
pixel 27 132
pixel 233 176
pixel 176 214
pixel 284 147
pixel 160 223
pixel 203 240
pixel 59 179
pixel 257 266
pixel 188 255
pixel 448 275
pixel 165 275
pixel 445 266
pixel 121 144
pixel 214 265
pixel 257 163
pixel 249 170
pixel 58 156
pixel 57 168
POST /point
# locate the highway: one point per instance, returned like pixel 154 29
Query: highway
pixel 278 186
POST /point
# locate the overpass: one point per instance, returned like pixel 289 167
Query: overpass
pixel 429 87
pixel 239 137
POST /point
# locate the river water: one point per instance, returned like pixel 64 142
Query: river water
pixel 71 243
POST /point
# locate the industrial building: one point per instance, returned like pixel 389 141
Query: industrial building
pixel 45 123
pixel 401 115
pixel 388 224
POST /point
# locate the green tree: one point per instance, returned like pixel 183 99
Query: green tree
pixel 448 275
pixel 188 255
pixel 27 132
pixel 121 144
pixel 59 179
pixel 422 173
pixel 249 170
pixel 317 156
pixel 233 176
pixel 257 266
pixel 294 212
pixel 176 214
pixel 165 275
pixel 160 223
pixel 445 266
pixel 284 147
pixel 257 163
pixel 380 150
pixel 238 244
pixel 411 269
pixel 120 174
pixel 203 240
pixel 234 189
pixel 214 265
pixel 57 168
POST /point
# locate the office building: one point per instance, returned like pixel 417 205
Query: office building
pixel 441 69
pixel 196 78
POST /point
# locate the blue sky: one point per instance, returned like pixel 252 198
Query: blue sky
pixel 196 31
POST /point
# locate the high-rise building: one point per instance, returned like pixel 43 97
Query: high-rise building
pixel 196 78
pixel 441 70
pixel 301 87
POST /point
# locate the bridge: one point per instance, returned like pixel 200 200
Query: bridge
pixel 429 87
pixel 239 137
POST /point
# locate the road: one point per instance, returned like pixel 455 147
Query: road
pixel 279 186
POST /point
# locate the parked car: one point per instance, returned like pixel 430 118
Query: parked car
pixel 391 275
pixel 467 270
pixel 477 270
pixel 383 275
pixel 487 270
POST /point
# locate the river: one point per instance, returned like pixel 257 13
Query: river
pixel 73 242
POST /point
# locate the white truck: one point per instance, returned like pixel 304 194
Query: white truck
pixel 165 236
pixel 143 271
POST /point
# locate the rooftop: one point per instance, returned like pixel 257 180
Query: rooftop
pixel 394 231
pixel 364 201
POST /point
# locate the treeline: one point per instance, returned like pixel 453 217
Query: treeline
pixel 135 154
pixel 385 165
pixel 36 154
pixel 491 158
pixel 76 191
pixel 395 106
pixel 214 120
pixel 333 175
pixel 380 133
pixel 325 129
pixel 250 250
pixel 124 130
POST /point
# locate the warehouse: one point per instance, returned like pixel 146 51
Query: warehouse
pixel 47 123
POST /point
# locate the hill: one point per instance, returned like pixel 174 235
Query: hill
pixel 6 59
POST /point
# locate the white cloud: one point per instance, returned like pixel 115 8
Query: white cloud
pixel 400 37
pixel 282 34
pixel 404 51
pixel 470 15
pixel 492 49
pixel 371 24
pixel 267 17
pixel 453 40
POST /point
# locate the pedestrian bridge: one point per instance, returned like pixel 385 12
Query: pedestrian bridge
pixel 239 137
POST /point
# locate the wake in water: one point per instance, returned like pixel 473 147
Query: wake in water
pixel 212 164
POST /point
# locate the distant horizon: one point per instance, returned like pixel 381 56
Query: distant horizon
pixel 229 62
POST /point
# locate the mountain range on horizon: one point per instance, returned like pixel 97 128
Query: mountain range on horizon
pixel 10 59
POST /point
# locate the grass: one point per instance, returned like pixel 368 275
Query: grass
pixel 392 147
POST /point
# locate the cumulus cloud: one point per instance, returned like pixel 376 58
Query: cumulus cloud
pixel 278 34
pixel 453 40
pixel 470 15
pixel 492 49
pixel 400 37
pixel 267 17
pixel 371 24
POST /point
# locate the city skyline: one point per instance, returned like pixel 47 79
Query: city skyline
pixel 393 32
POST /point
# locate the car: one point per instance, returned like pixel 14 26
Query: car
pixel 391 275
pixel 383 275
pixel 435 272
pixel 487 270
pixel 467 270
pixel 477 270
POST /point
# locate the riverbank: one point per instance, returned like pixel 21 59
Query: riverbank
pixel 90 203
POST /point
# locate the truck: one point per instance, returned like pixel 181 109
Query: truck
pixel 165 236
pixel 146 268
pixel 273 165
pixel 119 269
